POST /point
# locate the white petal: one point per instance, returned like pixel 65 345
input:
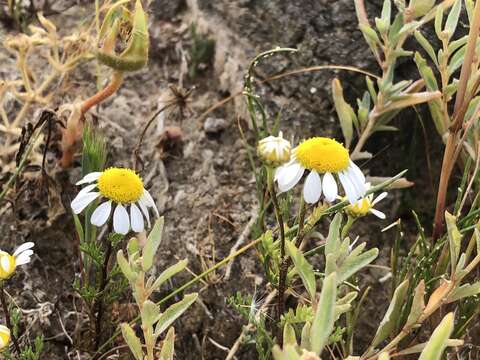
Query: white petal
pixel 89 178
pixel 81 201
pixel 145 211
pixel 380 197
pixel 281 170
pixel 350 190
pixel 23 247
pixel 136 219
pixel 121 222
pixel 290 177
pixel 357 178
pixel 330 187
pixel 312 188
pixel 148 200
pixel 101 214
pixel 87 189
pixel 22 259
pixel 377 213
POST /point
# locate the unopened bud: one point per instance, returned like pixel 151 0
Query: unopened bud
pixel 274 150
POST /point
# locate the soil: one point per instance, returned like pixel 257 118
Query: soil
pixel 203 185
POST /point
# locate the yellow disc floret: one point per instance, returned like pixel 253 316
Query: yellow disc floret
pixel 4 336
pixel 7 265
pixel 120 185
pixel 360 208
pixel 322 155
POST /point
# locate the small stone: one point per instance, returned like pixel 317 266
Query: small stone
pixel 214 125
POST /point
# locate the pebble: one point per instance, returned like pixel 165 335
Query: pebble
pixel 214 125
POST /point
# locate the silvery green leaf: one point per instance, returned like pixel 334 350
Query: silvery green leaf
pixel 323 322
pixel 438 341
pixel 403 101
pixel 330 264
pixel 421 7
pixel 333 238
pixel 456 44
pixel 426 72
pixel 452 19
pixel 289 337
pixel 389 321
pixel 125 267
pixel 305 340
pixel 168 273
pixel 386 11
pixel 288 353
pixel 426 46
pixel 304 269
pixel 456 60
pixel 371 89
pixel 132 341
pixel 454 239
pixel 344 112
pixel 464 291
pixel 415 349
pixel 133 249
pixel 469 4
pixel 394 32
pixel 370 34
pixel 385 128
pixel 79 228
pixel 153 242
pixel 418 304
pixel 173 312
pixel 354 263
pixel 438 21
pixel 410 27
pixel 168 345
pixel 150 313
pixel 348 298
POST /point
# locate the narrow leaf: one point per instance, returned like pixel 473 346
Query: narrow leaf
pixel 173 312
pixel 132 341
pixel 418 304
pixel 438 341
pixel 323 321
pixel 304 269
pixel 153 242
pixel 168 273
pixel 454 239
pixel 168 345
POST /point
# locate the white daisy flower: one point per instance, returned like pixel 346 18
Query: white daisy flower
pixel 274 150
pixel 325 156
pixel 8 262
pixel 365 205
pixel 4 337
pixel 119 186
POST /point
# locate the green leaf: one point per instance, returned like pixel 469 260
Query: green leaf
pixel 173 312
pixel 454 239
pixel 333 238
pixel 355 262
pixel 125 267
pixel 452 19
pixel 371 89
pixel 323 322
pixel 438 341
pixel 370 34
pixel 289 337
pixel 79 228
pixel 305 339
pixel 426 46
pixel 344 112
pixel 406 100
pixel 153 242
pixel 389 321
pixel 438 21
pixel 150 313
pixel 421 7
pixel 304 269
pixel 418 304
pixel 132 341
pixel 463 291
pixel 168 345
pixel 168 273
pixel 384 356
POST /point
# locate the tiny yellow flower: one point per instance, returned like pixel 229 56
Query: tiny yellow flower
pixel 123 187
pixel 321 155
pixel 8 262
pixel 274 150
pixel 4 337
pixel 365 205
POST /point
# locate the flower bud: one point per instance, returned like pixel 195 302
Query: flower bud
pixel 4 337
pixel 135 55
pixel 360 208
pixel 274 150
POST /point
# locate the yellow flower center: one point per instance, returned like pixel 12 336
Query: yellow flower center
pixel 360 208
pixel 120 185
pixel 322 155
pixel 7 265
pixel 4 337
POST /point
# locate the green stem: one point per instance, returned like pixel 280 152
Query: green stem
pixel 347 226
